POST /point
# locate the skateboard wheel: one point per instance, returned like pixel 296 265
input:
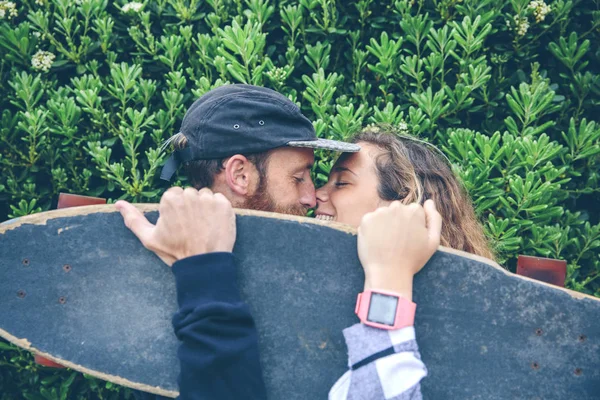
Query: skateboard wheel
pixel 543 269
pixel 47 363
pixel 66 200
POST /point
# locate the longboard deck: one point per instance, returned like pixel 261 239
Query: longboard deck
pixel 78 288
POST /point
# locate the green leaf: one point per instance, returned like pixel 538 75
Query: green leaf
pixel 7 346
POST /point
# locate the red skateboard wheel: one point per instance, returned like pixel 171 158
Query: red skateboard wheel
pixel 66 200
pixel 47 363
pixel 543 269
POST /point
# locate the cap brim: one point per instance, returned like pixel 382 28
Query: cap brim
pixel 326 144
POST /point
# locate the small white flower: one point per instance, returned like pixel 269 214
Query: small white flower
pixel 134 6
pixel 403 128
pixel 277 74
pixel 40 2
pixel 540 9
pixel 8 10
pixel 42 60
pixel 36 34
pixel 521 25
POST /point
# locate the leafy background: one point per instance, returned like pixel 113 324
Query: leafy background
pixel 508 89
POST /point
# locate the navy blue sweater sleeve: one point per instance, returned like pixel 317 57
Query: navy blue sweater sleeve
pixel 219 345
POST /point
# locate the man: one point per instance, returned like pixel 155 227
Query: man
pixel 253 145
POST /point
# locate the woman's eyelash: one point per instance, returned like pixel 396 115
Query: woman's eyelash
pixel 339 184
pixel 299 180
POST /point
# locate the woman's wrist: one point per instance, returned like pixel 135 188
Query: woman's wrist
pixel 397 283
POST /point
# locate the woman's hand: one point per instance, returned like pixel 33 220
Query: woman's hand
pixel 395 242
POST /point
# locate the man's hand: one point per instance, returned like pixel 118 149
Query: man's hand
pixel 395 242
pixel 191 222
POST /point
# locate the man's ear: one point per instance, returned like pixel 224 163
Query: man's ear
pixel 240 174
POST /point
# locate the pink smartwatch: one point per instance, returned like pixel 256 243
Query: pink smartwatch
pixel 385 310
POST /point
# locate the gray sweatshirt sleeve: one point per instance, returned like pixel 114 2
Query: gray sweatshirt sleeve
pixel 383 365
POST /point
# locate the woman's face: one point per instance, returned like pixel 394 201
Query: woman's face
pixel 351 191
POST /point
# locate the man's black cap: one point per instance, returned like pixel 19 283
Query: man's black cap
pixel 244 119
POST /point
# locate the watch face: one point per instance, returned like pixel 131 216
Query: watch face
pixel 382 309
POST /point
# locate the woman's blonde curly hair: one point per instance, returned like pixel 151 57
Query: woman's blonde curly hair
pixel 412 170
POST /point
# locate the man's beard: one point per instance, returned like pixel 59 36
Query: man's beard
pixel 263 201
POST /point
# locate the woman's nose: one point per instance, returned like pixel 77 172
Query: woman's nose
pixel 322 194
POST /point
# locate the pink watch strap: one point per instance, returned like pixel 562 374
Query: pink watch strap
pixel 405 310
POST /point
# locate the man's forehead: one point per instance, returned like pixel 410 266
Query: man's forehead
pixel 294 157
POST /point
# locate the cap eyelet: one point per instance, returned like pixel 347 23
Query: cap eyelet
pixel 261 122
pixel 236 126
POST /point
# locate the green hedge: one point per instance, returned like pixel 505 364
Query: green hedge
pixel 508 89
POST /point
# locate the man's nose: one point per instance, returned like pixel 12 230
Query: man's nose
pixel 308 197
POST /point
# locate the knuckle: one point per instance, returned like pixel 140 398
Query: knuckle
pixel 205 191
pixel 220 197
pixel 396 204
pixel 171 193
pixel 222 200
pixel 190 191
pixel 174 191
pixel 189 195
pixel 166 196
pixel 385 211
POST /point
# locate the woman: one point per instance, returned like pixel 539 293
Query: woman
pixel 390 169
